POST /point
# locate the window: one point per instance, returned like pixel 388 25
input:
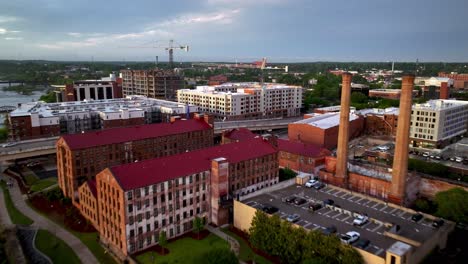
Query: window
pixel 148 215
pixel 132 233
pixel 146 190
pixel 129 196
pixel 148 240
pixel 139 217
pixel 130 208
pixel 156 225
pixel 148 227
pixel 155 212
pixel 139 205
pixel 140 230
pixel 130 220
pixel 155 200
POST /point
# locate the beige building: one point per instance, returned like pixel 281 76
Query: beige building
pixel 434 123
pixel 232 101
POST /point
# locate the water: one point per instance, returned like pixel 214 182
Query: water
pixel 13 98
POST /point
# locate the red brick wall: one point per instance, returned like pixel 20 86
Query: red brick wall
pixel 123 122
pixel 88 205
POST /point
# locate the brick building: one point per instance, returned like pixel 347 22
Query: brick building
pixel 81 156
pixel 217 79
pixel 297 156
pixel 88 197
pixel 39 119
pixel 322 130
pixel 156 83
pixel 460 81
pixel 379 122
pixel 137 201
pixel 105 88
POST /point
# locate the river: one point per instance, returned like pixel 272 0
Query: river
pixel 14 98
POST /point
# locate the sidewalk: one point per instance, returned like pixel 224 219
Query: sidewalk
pixel 41 222
pixel 235 247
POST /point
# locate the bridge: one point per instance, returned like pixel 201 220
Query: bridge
pixel 7 108
pixel 12 81
pixel 44 146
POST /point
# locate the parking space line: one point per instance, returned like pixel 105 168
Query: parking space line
pixel 327 212
pixel 344 195
pixel 307 225
pixel 346 218
pixel 377 227
pixel 315 227
pixel 383 208
pixel 379 251
pixel 357 201
pixel 373 207
pixel 337 193
pixel 333 216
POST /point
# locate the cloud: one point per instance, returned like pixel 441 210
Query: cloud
pixel 243 3
pixel 6 19
pixel 74 34
pixel 3 31
pixel 219 17
pixel 13 38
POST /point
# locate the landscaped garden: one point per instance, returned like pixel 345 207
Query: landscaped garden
pixel 15 215
pixel 246 253
pixel 185 250
pixel 57 250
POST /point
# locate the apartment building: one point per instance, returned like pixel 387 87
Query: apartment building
pixel 39 119
pixel 81 156
pixel 104 88
pixel 156 83
pixel 137 201
pixel 234 101
pixel 460 80
pixel 435 123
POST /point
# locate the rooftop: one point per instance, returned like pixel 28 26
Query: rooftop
pixel 379 111
pixel 326 121
pixel 440 104
pixel 302 149
pixel 148 172
pixel 240 134
pixel 127 134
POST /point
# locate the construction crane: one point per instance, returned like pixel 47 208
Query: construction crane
pixel 170 48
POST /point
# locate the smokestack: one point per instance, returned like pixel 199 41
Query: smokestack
pixel 343 132
pixel 444 92
pixel 400 160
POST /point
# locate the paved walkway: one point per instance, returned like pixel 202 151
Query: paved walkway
pixel 235 247
pixel 41 222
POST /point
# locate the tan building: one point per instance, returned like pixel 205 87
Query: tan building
pixel 436 122
pixel 81 156
pixel 88 206
pixel 157 83
pixel 137 201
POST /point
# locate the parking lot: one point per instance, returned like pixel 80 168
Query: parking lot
pixel 331 216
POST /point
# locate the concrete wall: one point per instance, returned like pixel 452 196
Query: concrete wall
pixel 275 187
pixel 243 215
pixel 370 258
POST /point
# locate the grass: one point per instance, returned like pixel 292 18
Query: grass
pixel 42 184
pixel 245 252
pixel 30 178
pixel 15 215
pixel 90 239
pixel 185 250
pixel 57 250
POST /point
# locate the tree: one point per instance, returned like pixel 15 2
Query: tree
pixel 220 255
pixel 162 241
pixel 357 78
pixel 358 97
pixel 453 205
pixel 198 225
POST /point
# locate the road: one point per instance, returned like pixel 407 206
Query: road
pixel 29 144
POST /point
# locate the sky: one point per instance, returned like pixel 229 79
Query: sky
pixel 230 30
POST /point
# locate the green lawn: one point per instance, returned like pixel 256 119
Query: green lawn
pixel 15 215
pixel 89 239
pixel 42 184
pixel 185 250
pixel 245 252
pixel 57 250
pixel 30 178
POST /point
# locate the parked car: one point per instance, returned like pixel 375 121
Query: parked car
pixel 290 199
pixel 311 183
pixel 9 144
pixel 269 209
pixel 362 243
pixel 319 186
pixel 32 164
pixel 458 159
pixel 293 218
pixel 350 237
pixel 360 220
pixel 328 201
pixel 437 157
pixel 329 230
pixel 426 154
pixel 315 206
pixel 417 217
pixel 299 201
pixel 438 223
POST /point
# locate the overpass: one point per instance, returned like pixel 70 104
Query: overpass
pixel 43 146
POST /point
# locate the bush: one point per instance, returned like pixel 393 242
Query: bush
pixel 286 174
pixel 430 168
pixel 453 205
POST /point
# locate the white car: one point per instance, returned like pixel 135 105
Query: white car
pixel 383 148
pixel 458 159
pixel 293 218
pixel 10 144
pixel 360 220
pixel 350 237
pixel 311 183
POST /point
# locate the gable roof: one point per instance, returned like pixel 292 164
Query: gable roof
pixel 127 134
pixel 148 172
pixel 240 134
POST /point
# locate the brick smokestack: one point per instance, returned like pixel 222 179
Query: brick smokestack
pixel 343 132
pixel 400 160
pixel 444 90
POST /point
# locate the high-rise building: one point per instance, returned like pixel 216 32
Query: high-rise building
pixel 81 156
pixel 234 101
pixel 104 88
pixel 157 83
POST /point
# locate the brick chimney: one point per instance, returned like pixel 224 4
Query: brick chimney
pixel 400 160
pixel 343 132
pixel 444 90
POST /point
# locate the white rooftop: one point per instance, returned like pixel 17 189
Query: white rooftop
pixel 326 120
pixel 439 104
pixel 379 111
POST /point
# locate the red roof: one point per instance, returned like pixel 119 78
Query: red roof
pixel 148 172
pixel 92 186
pixel 240 134
pixel 126 134
pixel 303 149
